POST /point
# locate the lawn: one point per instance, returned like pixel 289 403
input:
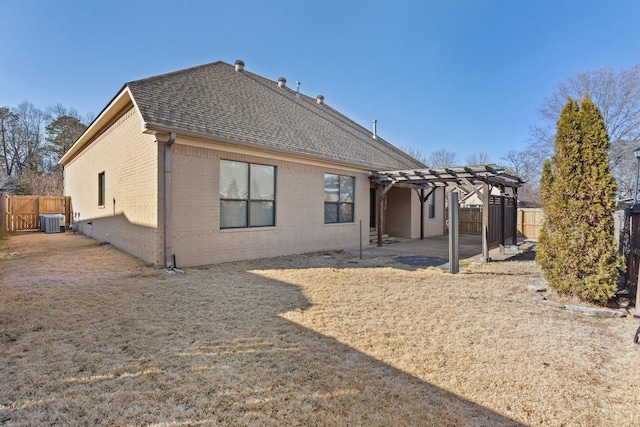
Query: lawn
pixel 92 336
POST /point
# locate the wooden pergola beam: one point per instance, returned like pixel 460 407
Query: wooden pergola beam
pixel 467 174
pixel 487 175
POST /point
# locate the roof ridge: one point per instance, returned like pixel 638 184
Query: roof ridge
pixel 177 72
pixel 216 100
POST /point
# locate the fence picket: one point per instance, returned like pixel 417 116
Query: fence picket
pixel 23 212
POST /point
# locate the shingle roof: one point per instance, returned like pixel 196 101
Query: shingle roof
pixel 216 101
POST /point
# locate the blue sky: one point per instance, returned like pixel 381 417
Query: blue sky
pixel 466 76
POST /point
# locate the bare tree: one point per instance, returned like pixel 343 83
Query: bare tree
pixel 8 132
pixel 521 163
pixel 26 147
pixel 26 156
pixel 617 96
pixel 479 158
pixel 441 159
pixel 526 165
pixel 415 153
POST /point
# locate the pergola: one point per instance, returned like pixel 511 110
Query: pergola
pixel 425 181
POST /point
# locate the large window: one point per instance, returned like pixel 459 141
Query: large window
pixel 101 189
pixel 338 198
pixel 247 195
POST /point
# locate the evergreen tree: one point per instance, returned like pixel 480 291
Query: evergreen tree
pixel 62 132
pixel 577 249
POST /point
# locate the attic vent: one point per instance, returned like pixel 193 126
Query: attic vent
pixel 239 65
pixel 320 99
pixel 282 82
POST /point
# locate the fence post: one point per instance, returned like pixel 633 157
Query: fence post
pixel 520 222
pixel 514 213
pixel 502 224
pixel 3 215
pixel 67 211
pixel 637 315
pixel 630 247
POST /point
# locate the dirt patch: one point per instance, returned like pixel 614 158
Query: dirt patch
pixel 89 335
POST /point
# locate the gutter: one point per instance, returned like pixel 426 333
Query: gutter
pixel 168 256
pixel 153 128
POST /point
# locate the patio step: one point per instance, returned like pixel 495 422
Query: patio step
pixel 373 235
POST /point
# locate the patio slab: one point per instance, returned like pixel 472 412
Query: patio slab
pixel 434 251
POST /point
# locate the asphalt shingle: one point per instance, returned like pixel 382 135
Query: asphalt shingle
pixel 216 101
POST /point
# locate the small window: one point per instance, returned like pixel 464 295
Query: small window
pixel 432 204
pixel 338 198
pixel 101 189
pixel 247 195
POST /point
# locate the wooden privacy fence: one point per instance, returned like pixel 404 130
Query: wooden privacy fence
pixel 630 247
pixel 529 221
pixel 470 219
pixel 21 213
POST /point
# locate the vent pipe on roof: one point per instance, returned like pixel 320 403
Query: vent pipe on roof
pixel 320 99
pixel 375 132
pixel 297 89
pixel 239 65
pixel 282 82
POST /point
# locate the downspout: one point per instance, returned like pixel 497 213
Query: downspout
pixel 168 259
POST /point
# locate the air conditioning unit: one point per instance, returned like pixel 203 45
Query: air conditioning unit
pixel 52 223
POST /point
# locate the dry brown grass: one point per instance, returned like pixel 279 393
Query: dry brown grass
pixel 89 335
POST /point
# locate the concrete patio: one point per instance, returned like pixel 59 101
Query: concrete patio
pixel 434 251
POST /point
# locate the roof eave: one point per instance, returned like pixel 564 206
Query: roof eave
pixel 122 99
pixel 155 128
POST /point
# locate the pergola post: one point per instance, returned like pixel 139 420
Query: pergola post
pixel 422 196
pixel 379 218
pixel 381 193
pixel 454 264
pixel 422 200
pixel 502 221
pixel 514 224
pixel 486 197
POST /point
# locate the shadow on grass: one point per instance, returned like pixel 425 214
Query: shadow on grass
pixel 137 346
pixel 526 255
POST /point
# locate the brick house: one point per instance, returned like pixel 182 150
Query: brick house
pixel 214 163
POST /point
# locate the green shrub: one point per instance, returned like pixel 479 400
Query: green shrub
pixel 577 250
